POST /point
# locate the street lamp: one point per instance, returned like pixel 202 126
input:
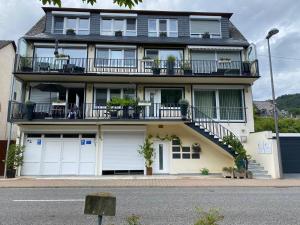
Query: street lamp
pixel 271 34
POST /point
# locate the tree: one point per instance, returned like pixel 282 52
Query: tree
pixel 126 3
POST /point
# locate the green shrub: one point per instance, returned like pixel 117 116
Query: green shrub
pixel 14 156
pixel 204 171
pixel 133 220
pixel 147 151
pixel 211 217
pixel 286 125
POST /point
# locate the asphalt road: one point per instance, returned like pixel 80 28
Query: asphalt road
pixel 156 206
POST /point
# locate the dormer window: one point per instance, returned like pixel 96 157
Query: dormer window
pixel 80 26
pixel 162 28
pixel 109 26
pixel 205 27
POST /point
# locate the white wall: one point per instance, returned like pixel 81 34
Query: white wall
pixel 262 148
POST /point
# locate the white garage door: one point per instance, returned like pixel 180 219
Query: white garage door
pixel 120 150
pixel 59 156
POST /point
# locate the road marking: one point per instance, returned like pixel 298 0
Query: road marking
pixel 49 200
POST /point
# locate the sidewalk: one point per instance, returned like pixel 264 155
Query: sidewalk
pixel 143 181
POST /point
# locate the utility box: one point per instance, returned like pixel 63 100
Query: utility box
pixel 101 204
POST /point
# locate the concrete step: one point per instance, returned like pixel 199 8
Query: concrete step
pixel 255 168
pixel 262 177
pixel 259 172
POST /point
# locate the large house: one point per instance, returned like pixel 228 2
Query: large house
pixel 97 82
pixel 7 132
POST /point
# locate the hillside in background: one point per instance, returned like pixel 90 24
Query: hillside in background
pixel 290 103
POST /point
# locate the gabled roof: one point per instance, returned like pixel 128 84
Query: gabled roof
pixel 38 28
pixel 4 43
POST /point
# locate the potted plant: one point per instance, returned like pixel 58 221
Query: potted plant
pixel 204 171
pixel 227 172
pixel 187 68
pixel 126 103
pixel 29 109
pixel 239 173
pixel 147 151
pixel 137 110
pixel 156 67
pixel 118 33
pixel 196 147
pixel 70 32
pixel 163 34
pixel 249 174
pixel 184 106
pixel 170 65
pixel 26 64
pixel 206 35
pixel 112 106
pixel 14 159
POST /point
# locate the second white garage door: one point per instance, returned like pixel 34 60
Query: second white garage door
pixel 120 151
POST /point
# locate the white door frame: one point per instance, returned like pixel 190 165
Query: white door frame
pixel 166 157
pixel 156 100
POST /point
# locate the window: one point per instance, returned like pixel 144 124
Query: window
pixel 186 152
pixel 109 26
pixel 171 96
pixel 115 57
pixel 231 105
pixel 103 95
pixel 199 27
pixel 81 26
pixel 159 27
pixel 223 104
pixel 162 54
pixel 58 25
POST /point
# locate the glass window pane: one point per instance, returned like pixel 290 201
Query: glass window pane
pixel 129 58
pixel 176 156
pixel 164 54
pixel 152 25
pixel 106 26
pixel 202 26
pixel 131 24
pixel 173 25
pixel 58 25
pixel 175 149
pixel 75 52
pixel 102 53
pixel 118 25
pixel 231 104
pixel 115 93
pixel 205 103
pixel 71 23
pixel 101 97
pixel 83 24
pixel 44 52
pixel 170 96
pixel 153 54
pixel 129 93
pixel 162 25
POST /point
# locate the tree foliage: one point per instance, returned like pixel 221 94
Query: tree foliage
pixel 286 125
pixel 126 3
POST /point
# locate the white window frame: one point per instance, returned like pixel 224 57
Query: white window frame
pixel 124 30
pixel 109 87
pixel 117 49
pixel 157 31
pixel 216 90
pixel 77 25
pixel 200 35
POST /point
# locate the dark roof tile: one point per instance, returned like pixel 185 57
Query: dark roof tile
pixel 4 43
pixel 38 28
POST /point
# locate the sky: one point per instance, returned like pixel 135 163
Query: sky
pixel 254 18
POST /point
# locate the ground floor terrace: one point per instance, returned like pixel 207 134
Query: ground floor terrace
pixel 107 149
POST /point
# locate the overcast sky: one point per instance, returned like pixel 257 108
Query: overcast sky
pixel 252 17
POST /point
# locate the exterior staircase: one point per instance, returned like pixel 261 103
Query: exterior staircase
pixel 258 171
pixel 210 129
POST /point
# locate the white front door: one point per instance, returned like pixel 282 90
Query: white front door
pixel 154 96
pixel 161 161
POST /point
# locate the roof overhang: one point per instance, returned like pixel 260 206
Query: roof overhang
pixel 207 48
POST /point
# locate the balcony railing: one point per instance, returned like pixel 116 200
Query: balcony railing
pixel 49 111
pixel 221 113
pixel 136 67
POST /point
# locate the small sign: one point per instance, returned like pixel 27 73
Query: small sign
pixel 39 142
pixel 82 142
pixel 264 148
pixel 88 142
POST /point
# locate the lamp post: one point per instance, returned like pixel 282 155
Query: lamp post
pixel 269 35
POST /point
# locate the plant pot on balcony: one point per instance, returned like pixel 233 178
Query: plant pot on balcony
pixel 113 114
pixel 184 105
pixel 187 72
pixel 118 33
pixel 29 107
pixel 156 71
pixel 171 65
pixel 70 32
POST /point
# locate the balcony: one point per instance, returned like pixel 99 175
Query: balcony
pixel 20 112
pixel 147 67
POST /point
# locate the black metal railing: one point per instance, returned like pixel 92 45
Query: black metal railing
pixel 47 111
pixel 134 66
pixel 223 113
pixel 211 125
